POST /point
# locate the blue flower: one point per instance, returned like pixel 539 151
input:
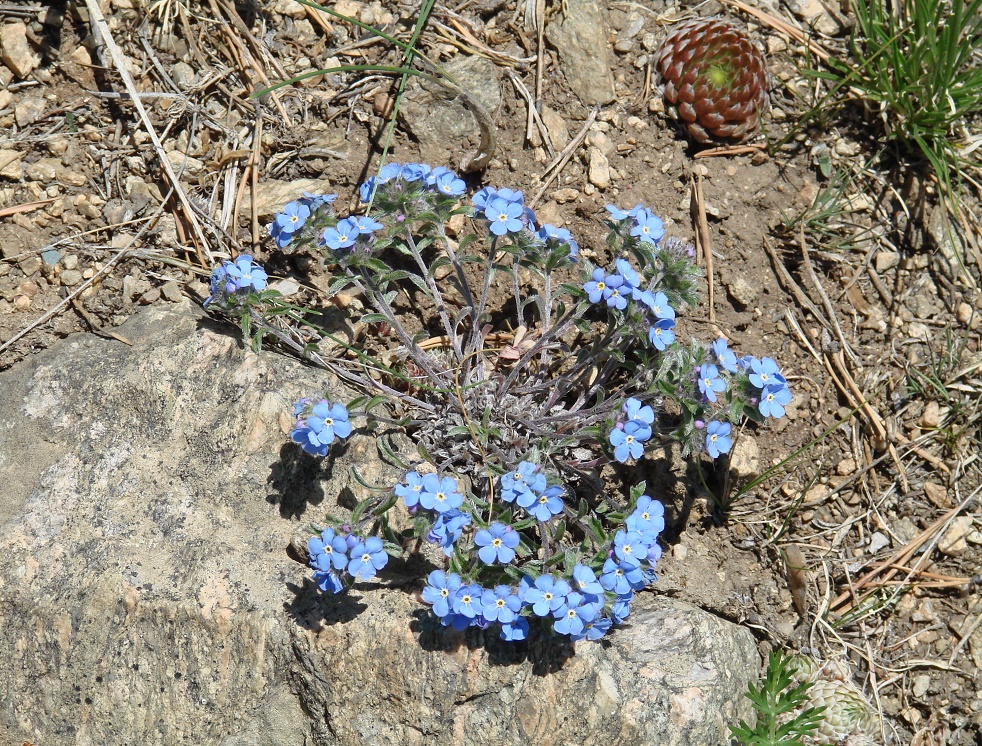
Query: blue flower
pixel 292 218
pixel 317 431
pixel 282 238
pixel 648 227
pixel 621 578
pixel 618 214
pixel 617 292
pixel 459 622
pixel 597 628
pixel 631 278
pixel 328 551
pixel 573 615
pixel 597 286
pixel 450 184
pixel 246 273
pixel 626 441
pixel 559 235
pixel 440 494
pixel 718 438
pixel 746 362
pixel 366 189
pixel 500 605
pixel 546 595
pixel 662 333
pixel 367 558
pixel 642 414
pixel 724 356
pixel 314 201
pixel 658 303
pixel 497 543
pixel 765 372
pixel 447 529
pixel 440 590
pixel 585 581
pixel 483 198
pixel 621 608
pixel 467 600
pixel 342 236
pixel 648 518
pixel 414 171
pixel 773 400
pixel 504 216
pixel 328 581
pixel 367 225
pixel 389 171
pixel 523 479
pixel 411 490
pixel 710 382
pixel 511 195
pixel 629 547
pixel 515 630
pixel 543 506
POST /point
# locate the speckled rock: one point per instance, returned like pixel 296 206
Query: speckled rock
pixel 146 594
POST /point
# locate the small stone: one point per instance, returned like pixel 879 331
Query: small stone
pixel 70 277
pixel 974 537
pixel 29 110
pixel 965 314
pixel 57 146
pixel 598 169
pixel 937 495
pixel 953 542
pixel 925 611
pixel 741 292
pixel 917 330
pixel 288 287
pixel 776 44
pixel 745 458
pixel 70 262
pixel 878 541
pixel 933 416
pixel 813 13
pixel 82 56
pixel 15 51
pixel 818 493
pixel 886 260
pixel 29 265
pixel 51 257
pixel 172 291
pixel 845 467
pixel 5 98
pixel 847 148
pixel 562 196
pixel 920 686
pixel 680 552
pixel 10 165
pixel 905 530
pixel 43 171
pixel 183 75
pixel 22 302
pixel 601 142
pixel 580 38
pixel 151 296
pixel 623 46
pixel 186 164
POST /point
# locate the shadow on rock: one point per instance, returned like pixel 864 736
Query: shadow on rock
pixel 312 609
pixel 545 650
pixel 296 480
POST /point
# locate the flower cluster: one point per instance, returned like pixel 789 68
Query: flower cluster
pixel 340 559
pixel 229 278
pixel 524 374
pixel 630 434
pixel 583 605
pixel 318 424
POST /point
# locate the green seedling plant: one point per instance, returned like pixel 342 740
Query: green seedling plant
pixel 783 717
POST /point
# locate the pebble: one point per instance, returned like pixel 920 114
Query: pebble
pixel 599 168
pixel 680 552
pixel 29 110
pixel 925 611
pixel 51 257
pixel 29 265
pixel 183 75
pixel 847 148
pixel 70 277
pixel 15 51
pixel 968 316
pixel 886 260
pixel 921 685
pixel 172 291
pixel 776 44
pixel 22 302
pixel 151 296
pixel 11 166
pixel 556 127
pixel 817 494
pixel 745 458
pixel 741 291
pixel 562 196
pixel 5 98
pixel 937 495
pixel 70 262
pixel 601 142
pixel 933 415
pixel 845 467
pixel 953 542
pixel 877 542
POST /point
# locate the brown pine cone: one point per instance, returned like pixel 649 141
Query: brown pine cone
pixel 715 78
